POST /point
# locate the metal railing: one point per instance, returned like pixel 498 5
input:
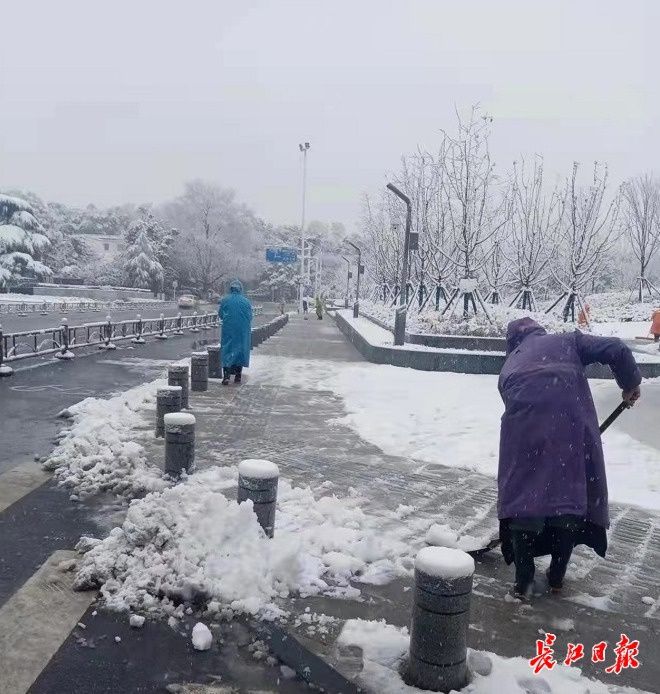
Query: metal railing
pixel 62 339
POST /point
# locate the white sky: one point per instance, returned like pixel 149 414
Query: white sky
pixel 125 100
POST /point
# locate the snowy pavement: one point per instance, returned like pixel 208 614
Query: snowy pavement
pixel 371 457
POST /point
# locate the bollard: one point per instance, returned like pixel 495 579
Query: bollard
pixel 199 372
pixel 179 325
pixel 257 481
pixel 179 443
pixel 107 329
pixel 194 328
pixel 177 375
pixel 168 399
pixel 215 368
pixel 4 369
pixel 440 620
pixel 138 339
pixel 64 352
pixel 161 328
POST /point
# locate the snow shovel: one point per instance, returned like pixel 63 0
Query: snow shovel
pixel 476 553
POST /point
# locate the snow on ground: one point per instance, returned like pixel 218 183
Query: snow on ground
pixel 100 449
pixel 385 648
pixel 611 313
pixel 192 541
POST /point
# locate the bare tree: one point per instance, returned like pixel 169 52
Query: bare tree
pixel 497 271
pixel 587 231
pixel 473 211
pixel 532 222
pixel 642 216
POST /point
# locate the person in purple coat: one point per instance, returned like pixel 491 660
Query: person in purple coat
pixel 552 487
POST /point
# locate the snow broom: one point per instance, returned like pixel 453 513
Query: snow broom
pixel 476 553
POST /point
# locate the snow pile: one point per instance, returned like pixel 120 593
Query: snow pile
pixel 12 298
pixel 99 451
pixel 385 648
pixel 441 535
pixel 619 306
pixel 190 542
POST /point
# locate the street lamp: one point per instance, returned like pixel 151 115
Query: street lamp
pixel 304 148
pixel 356 305
pixel 401 312
pixel 348 280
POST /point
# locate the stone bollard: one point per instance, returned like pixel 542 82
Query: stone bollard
pixel 168 399
pixel 440 620
pixel 199 372
pixel 257 481
pixel 64 352
pixel 177 375
pixel 194 328
pixel 179 443
pixel 179 325
pixel 215 368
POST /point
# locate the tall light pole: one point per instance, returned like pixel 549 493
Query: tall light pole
pixel 304 148
pixel 348 280
pixel 360 270
pixel 401 312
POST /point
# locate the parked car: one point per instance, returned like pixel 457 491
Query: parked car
pixel 187 301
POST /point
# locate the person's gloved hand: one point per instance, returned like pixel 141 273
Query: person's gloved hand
pixel 630 397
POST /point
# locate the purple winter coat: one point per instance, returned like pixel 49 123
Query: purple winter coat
pixel 551 457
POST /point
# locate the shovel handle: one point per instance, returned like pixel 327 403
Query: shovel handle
pixel 618 410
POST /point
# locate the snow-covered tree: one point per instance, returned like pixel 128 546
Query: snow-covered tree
pixel 641 196
pixel 22 242
pixel 532 224
pixel 588 228
pixel 142 268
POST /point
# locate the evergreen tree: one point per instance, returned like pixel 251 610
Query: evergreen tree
pixel 21 241
pixel 142 268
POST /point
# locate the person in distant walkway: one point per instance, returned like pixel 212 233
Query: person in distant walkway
pixel 655 324
pixel 235 312
pixel 552 488
pixel 319 308
pixel 305 308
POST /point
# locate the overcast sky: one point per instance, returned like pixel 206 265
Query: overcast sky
pixel 124 100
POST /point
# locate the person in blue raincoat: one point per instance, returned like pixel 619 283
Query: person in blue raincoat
pixel 235 312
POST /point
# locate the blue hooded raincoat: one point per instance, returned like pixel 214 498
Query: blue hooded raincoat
pixel 235 312
pixel 551 458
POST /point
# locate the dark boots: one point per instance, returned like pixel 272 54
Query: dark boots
pixel 227 372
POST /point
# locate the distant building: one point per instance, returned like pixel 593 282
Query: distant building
pixel 105 246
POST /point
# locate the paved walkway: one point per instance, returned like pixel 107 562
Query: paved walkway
pixel 291 426
pixel 276 419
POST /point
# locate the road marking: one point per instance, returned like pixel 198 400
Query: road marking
pixel 35 622
pixel 19 481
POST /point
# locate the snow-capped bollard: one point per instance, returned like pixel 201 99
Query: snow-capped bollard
pixel 168 399
pixel 194 328
pixel 257 481
pixel 177 375
pixel 179 443
pixel 161 328
pixel 215 369
pixel 199 372
pixel 179 325
pixel 4 369
pixel 440 620
pixel 138 339
pixel 64 352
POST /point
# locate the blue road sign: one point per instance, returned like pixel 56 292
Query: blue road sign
pixel 281 255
